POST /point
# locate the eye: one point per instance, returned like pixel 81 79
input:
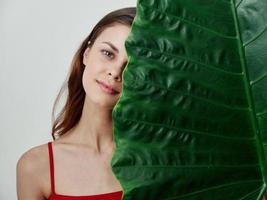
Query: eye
pixel 107 53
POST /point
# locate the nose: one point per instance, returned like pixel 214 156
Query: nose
pixel 115 76
pixel 116 71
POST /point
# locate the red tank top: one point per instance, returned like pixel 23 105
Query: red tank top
pixel 54 196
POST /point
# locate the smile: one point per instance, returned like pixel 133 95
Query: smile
pixel 106 89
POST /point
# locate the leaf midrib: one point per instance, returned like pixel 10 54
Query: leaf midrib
pixel 248 90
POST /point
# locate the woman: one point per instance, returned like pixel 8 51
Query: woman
pixel 76 165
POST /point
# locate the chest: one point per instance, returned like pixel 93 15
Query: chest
pixel 83 175
pixel 85 172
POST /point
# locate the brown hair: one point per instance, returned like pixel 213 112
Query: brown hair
pixel 71 112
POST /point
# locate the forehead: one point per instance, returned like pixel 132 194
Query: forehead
pixel 116 34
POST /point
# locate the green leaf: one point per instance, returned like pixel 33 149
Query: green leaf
pixel 191 123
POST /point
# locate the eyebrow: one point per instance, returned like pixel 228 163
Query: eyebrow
pixel 112 46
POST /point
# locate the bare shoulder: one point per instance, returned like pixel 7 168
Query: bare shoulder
pixel 32 160
pixel 32 173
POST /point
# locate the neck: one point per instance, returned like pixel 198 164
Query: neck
pixel 94 128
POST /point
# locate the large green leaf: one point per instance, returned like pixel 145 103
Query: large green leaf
pixel 192 120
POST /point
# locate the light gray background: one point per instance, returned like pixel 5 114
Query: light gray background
pixel 37 42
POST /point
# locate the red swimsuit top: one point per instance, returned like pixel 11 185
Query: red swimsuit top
pixel 54 196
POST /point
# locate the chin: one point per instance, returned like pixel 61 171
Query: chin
pixel 102 101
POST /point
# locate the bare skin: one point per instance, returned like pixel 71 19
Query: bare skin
pixel 82 156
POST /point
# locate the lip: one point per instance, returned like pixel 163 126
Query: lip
pixel 107 88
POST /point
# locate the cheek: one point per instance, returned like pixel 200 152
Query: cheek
pixel 88 80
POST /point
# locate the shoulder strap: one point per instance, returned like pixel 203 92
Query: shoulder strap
pixel 51 163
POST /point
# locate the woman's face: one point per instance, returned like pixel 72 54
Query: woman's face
pixel 104 63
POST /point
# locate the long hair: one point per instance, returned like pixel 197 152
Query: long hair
pixel 71 112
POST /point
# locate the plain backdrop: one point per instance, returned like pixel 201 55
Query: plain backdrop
pixel 37 42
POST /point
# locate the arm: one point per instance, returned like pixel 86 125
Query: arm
pixel 28 187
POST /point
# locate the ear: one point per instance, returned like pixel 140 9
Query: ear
pixel 85 55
